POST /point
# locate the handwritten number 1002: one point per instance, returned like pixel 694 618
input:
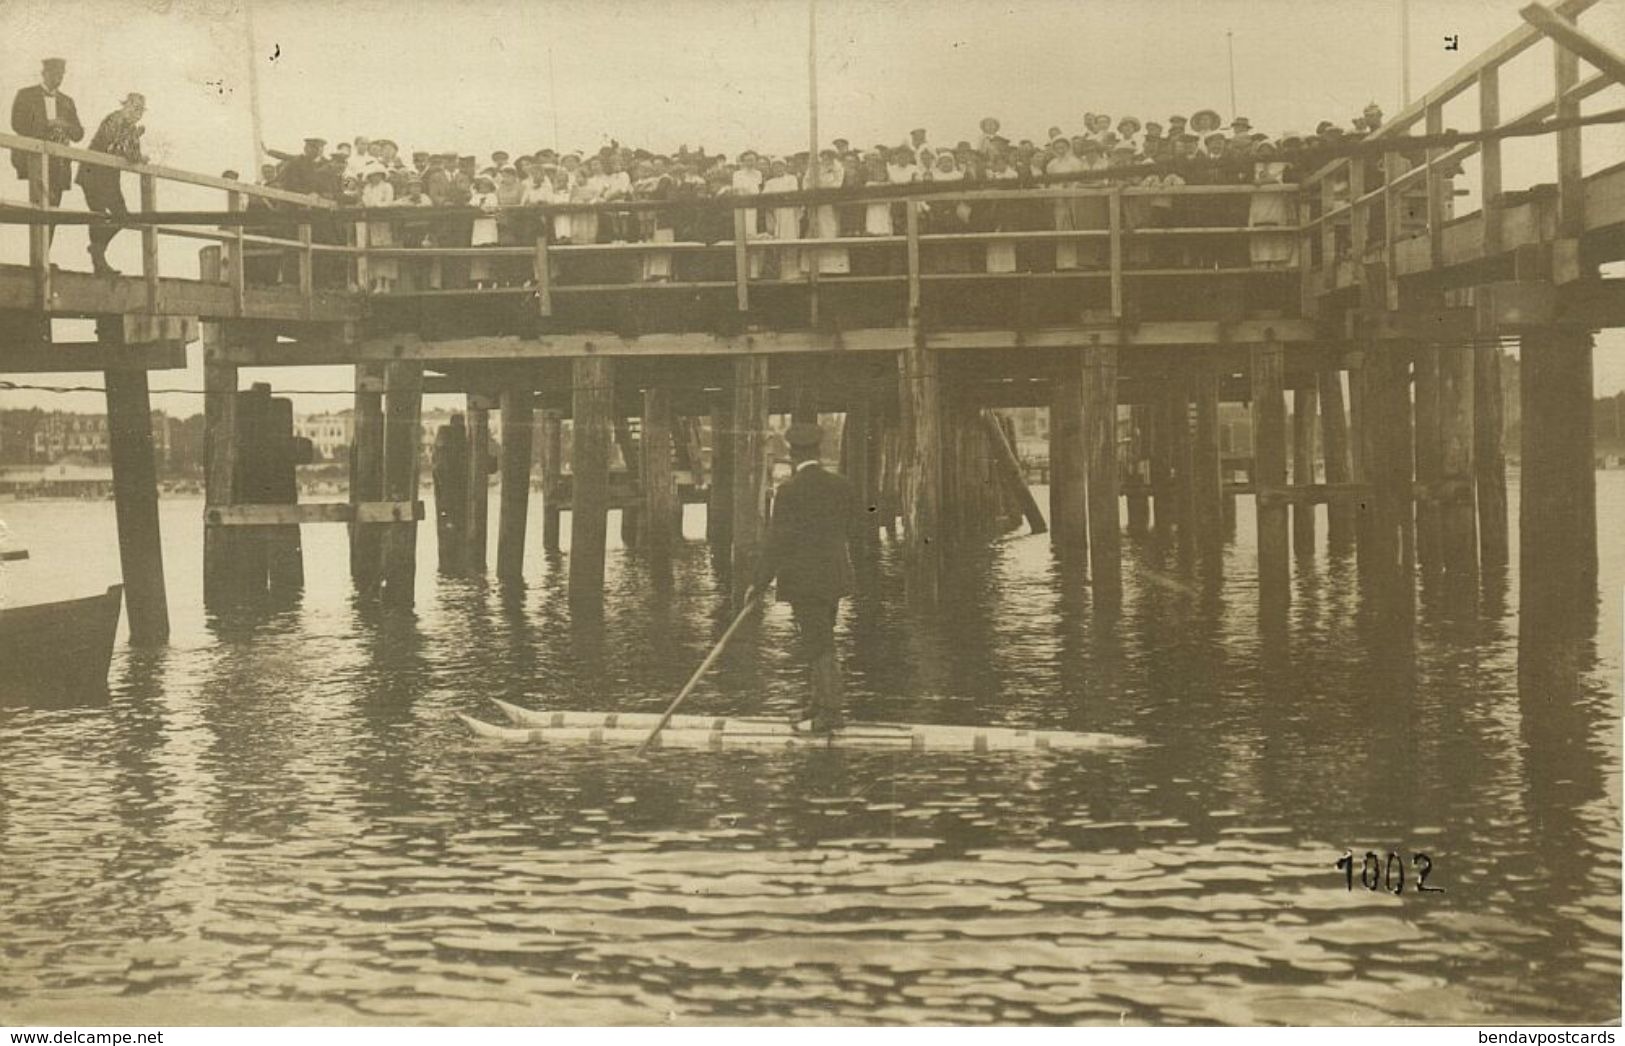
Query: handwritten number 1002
pixel 1375 873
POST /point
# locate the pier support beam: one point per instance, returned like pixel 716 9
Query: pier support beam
pixel 1457 510
pixel 552 478
pixel 403 405
pixel 752 478
pixel 1207 469
pixel 285 553
pixel 1386 550
pixel 719 508
pixel 367 472
pixel 1429 460
pixel 632 516
pixel 1305 418
pixel 135 493
pixel 1100 435
pixel 1182 456
pixel 592 407
pixel 860 451
pixel 1334 442
pixel 1164 442
pixel 517 404
pixel 220 478
pixel 1557 516
pixel 662 519
pixel 477 484
pixel 450 477
pixel 1068 462
pixel 1139 502
pixel 1269 471
pixel 921 496
pixel 1489 455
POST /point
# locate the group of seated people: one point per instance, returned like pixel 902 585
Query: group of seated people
pixel 372 173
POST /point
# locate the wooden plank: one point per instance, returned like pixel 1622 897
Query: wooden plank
pixel 518 413
pixel 1489 183
pixel 1100 434
pixel 912 227
pixel 149 245
pixel 91 356
pixel 1068 461
pixel 1207 476
pixel 1436 188
pixel 553 478
pixel 752 478
pixel 307 270
pixel 1269 472
pixel 281 514
pixel 135 494
pixel 1570 181
pixel 237 259
pixel 542 274
pixel 403 407
pixel 592 409
pixel 477 484
pixel 1334 429
pixel 921 408
pixel 741 260
pixel 1569 37
pixel 1114 209
pixel 1489 456
pixel 39 236
pixel 656 446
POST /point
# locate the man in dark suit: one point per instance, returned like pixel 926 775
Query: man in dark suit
pixel 42 111
pixel 807 552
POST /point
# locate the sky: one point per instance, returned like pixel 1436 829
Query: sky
pixel 477 75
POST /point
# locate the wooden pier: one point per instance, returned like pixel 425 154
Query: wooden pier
pixel 1370 365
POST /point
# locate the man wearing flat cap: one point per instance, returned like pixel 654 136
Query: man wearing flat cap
pixel 120 136
pixel 42 111
pixel 807 552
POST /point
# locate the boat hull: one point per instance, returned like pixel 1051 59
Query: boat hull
pixel 688 731
pixel 58 649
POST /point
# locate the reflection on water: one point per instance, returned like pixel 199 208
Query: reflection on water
pixel 277 820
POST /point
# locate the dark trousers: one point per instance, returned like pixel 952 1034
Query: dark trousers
pixel 105 197
pixel 815 626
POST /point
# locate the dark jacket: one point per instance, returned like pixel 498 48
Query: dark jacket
pixel 28 119
pixel 807 539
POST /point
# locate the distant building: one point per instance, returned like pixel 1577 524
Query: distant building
pixel 330 433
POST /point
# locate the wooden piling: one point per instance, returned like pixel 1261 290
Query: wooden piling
pixel 516 401
pixel 592 411
pixel 1269 470
pixel 1163 444
pixel 920 499
pixel 254 483
pixel 285 556
pixel 1068 461
pixel 219 478
pixel 1334 432
pixel 450 479
pixel 1100 435
pixel 1489 455
pixel 1139 502
pixel 367 472
pixel 135 494
pixel 403 408
pixel 477 484
pixel 1181 458
pixel 658 451
pixel 1557 535
pixel 553 481
pixel 1429 455
pixel 1008 465
pixel 1457 508
pixel 860 450
pixel 719 503
pixel 1305 419
pixel 631 457
pixel 752 479
pixel 1207 476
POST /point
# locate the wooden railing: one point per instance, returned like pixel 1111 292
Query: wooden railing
pixel 1338 207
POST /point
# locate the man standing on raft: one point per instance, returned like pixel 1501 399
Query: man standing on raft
pixel 807 552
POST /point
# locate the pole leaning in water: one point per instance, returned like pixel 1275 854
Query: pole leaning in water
pixel 682 695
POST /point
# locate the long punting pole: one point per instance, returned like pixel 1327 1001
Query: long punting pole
pixel 256 121
pixel 1230 47
pixel 1405 52
pixel 682 695
pixel 812 94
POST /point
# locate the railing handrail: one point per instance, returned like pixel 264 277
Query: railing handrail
pixel 171 174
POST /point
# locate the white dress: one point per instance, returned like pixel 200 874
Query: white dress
pixel 1068 211
pixel 484 234
pixel 1271 208
pixel 826 225
pixel 786 225
pixel 380 234
pixel 1001 254
pixel 748 182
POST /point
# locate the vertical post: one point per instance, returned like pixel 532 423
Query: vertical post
pixel 1162 459
pixel 1393 165
pixel 1269 470
pixel 403 403
pixel 149 243
pixel 307 271
pixel 1115 212
pixel 592 406
pixel 1436 186
pixel 631 511
pixel 450 480
pixel 719 507
pixel 1557 527
pixel 1182 456
pixel 1139 502
pixel 1207 476
pixel 1100 434
pixel 858 443
pixel 911 229
pixel 1334 433
pixel 741 260
pixel 1570 183
pixel 135 492
pixel 552 478
pixel 663 509
pixel 1458 518
pixel 751 477
pixel 1489 158
pixel 285 555
pixel 40 236
pixel 219 477
pixel 1305 415
pixel 544 278
pixel 517 404
pixel 238 255
pixel 921 405
pixel 1489 455
pixel 1068 461
pixel 1428 456
pixel 367 472
pixel 477 484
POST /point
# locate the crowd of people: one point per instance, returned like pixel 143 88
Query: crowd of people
pixel 1195 150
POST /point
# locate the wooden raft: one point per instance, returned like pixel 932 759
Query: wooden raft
pixel 690 731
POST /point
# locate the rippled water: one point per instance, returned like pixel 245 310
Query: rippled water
pixel 276 819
